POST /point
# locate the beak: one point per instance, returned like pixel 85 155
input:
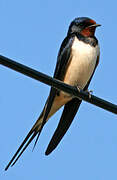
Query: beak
pixel 95 25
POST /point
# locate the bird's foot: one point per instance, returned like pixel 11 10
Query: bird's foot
pixel 90 92
pixel 79 88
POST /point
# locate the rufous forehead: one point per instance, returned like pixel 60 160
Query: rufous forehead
pixel 92 21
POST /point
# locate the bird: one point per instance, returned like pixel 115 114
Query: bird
pixel 77 60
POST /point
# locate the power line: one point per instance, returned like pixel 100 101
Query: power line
pixel 57 84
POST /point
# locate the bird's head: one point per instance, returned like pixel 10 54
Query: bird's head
pixel 84 26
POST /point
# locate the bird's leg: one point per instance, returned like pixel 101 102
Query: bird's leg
pixel 88 91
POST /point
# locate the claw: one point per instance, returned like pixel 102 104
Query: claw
pixel 90 92
pixel 79 88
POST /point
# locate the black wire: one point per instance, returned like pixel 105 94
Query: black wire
pixel 58 84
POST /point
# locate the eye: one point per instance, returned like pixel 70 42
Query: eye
pixel 81 24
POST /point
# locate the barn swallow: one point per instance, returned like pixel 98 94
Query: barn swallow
pixel 77 60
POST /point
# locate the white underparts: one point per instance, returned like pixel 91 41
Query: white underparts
pixel 82 63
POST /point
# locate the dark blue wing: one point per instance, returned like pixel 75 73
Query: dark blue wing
pixel 69 112
pixel 67 117
pixel 62 60
pixel 63 57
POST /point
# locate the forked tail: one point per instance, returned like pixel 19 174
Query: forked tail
pixel 36 129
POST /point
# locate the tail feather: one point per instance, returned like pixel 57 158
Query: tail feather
pixel 30 136
pixel 36 141
pixel 47 112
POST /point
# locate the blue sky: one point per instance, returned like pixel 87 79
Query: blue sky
pixel 31 32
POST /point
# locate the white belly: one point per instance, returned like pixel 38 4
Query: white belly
pixel 82 64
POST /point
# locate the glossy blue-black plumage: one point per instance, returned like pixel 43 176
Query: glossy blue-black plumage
pixel 72 106
pixel 62 61
pixel 78 24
